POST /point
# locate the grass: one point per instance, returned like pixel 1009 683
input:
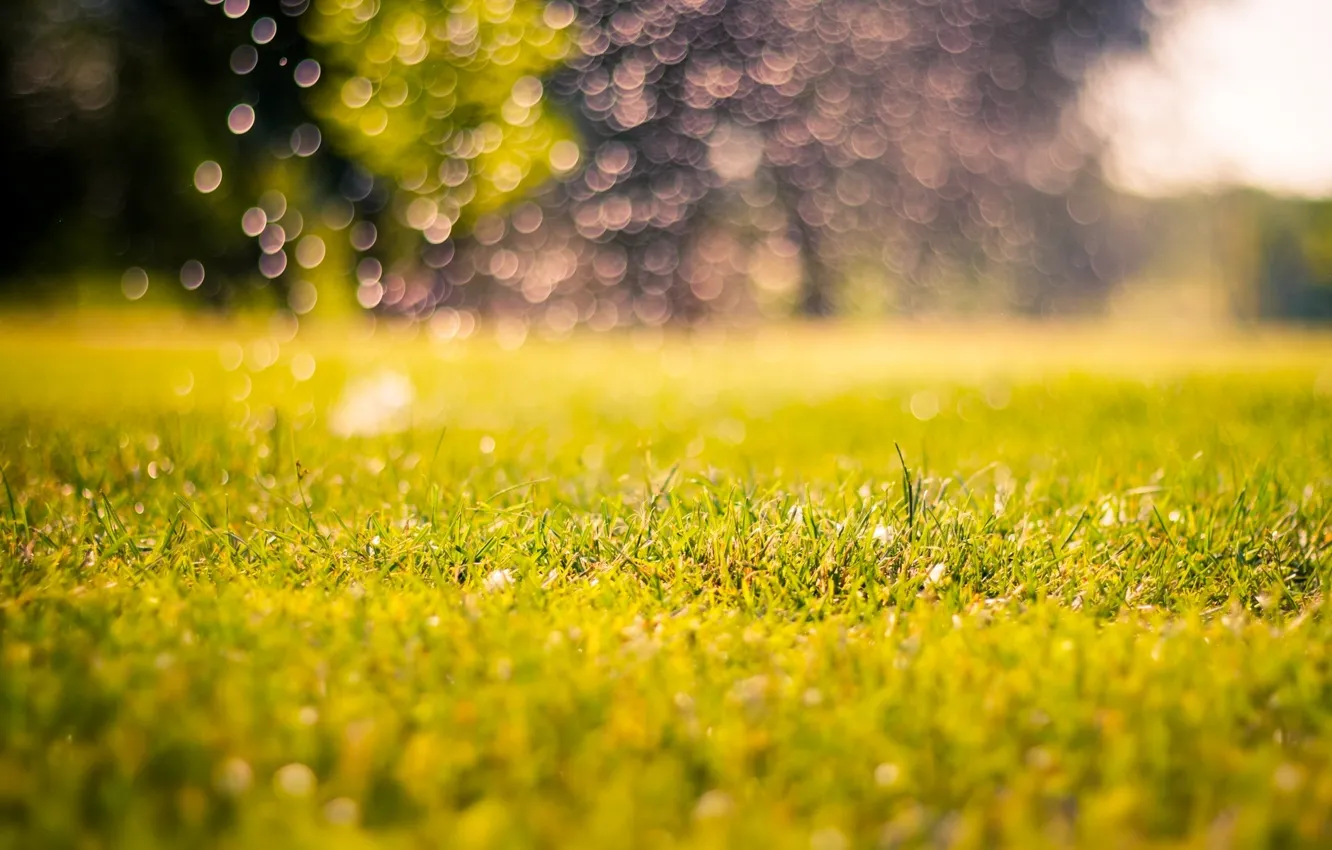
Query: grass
pixel 805 588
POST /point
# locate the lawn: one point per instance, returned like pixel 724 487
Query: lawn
pixel 825 588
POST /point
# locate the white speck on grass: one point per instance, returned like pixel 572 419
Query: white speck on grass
pixel 884 534
pixel 234 777
pixel 341 811
pixel 828 838
pixel 302 366
pixel 924 405
pixel 937 574
pixel 134 283
pixel 731 431
pixel 1040 758
pixel 886 774
pixel 184 383
pixel 713 804
pixel 498 580
pixel 751 691
pixel 294 780
pixel 375 404
pixel 1287 777
pixel 231 355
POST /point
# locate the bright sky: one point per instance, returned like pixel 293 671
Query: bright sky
pixel 1234 92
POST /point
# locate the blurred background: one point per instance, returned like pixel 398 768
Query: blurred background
pixel 550 166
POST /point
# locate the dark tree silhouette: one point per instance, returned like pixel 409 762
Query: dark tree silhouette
pixel 108 108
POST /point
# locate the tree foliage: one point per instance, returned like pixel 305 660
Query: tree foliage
pixel 445 102
pixel 933 139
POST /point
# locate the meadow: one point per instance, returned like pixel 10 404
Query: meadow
pixel 795 587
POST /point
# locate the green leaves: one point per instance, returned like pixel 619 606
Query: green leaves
pixel 446 102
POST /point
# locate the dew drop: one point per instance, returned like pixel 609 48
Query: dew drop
pixel 307 73
pixel 134 283
pixel 192 274
pixel 263 30
pixel 241 118
pixel 208 176
pixel 244 59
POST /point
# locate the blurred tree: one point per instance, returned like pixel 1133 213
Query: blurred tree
pixel 932 138
pixel 1317 238
pixel 1294 280
pixel 447 102
pixel 1265 256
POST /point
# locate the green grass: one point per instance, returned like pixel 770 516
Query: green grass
pixel 800 588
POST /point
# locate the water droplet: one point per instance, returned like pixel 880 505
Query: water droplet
pixel 564 156
pixel 241 118
pixel 233 777
pixel 421 213
pixel 244 59
pixel 363 236
pixel 254 221
pixel 192 274
pixel 357 92
pixel 302 367
pixel 294 780
pixel 134 283
pixel 302 297
pixel 274 204
pixel 272 239
pixel 338 213
pixel 310 252
pixel 527 92
pixel 713 804
pixel 263 30
pixel 369 270
pixel 307 73
pixel 305 140
pixel 368 295
pixel 886 774
pixel 558 14
pixel 341 811
pixel 208 176
pixel 925 405
pixel 273 265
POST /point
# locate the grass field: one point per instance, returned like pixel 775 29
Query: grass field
pixel 799 588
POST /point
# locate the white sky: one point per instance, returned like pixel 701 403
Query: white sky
pixel 1234 92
